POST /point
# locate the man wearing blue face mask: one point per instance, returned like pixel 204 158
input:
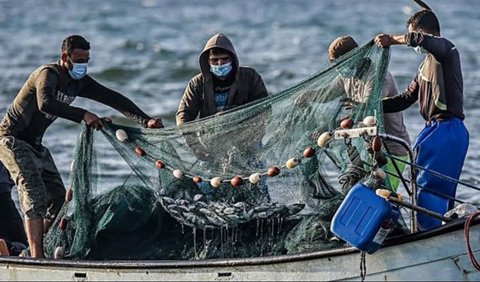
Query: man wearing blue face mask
pixel 222 84
pixel 438 86
pixel 46 95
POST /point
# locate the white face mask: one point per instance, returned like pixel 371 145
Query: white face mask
pixel 420 50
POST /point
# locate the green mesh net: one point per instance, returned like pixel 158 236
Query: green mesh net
pixel 261 193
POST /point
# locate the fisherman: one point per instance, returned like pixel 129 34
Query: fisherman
pixel 46 95
pixel 438 86
pixel 221 85
pixel 393 122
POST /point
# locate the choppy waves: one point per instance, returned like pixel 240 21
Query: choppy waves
pixel 149 49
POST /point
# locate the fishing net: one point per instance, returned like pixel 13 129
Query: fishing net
pixel 251 181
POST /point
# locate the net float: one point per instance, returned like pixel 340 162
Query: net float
pixel 379 174
pixel 236 181
pixel 159 164
pixel 376 143
pixel 197 179
pixel 273 171
pixel 216 182
pixel 346 123
pixel 121 135
pixel 59 253
pixel 309 152
pixel 63 223
pixel 291 163
pixel 369 121
pixel 139 151
pixel 323 139
pixel 254 178
pixel 69 195
pixel 177 173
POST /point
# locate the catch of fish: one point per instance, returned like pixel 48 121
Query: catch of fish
pixel 200 214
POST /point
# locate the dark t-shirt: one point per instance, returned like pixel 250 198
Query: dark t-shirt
pixel 221 90
pixel 48 93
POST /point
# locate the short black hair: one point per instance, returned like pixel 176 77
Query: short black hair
pixel 74 42
pixel 425 20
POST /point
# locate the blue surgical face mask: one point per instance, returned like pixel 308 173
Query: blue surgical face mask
pixel 420 50
pixel 78 71
pixel 222 70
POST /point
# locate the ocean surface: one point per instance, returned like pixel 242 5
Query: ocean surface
pixel 148 50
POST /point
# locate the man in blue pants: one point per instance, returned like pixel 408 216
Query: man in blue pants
pixel 438 86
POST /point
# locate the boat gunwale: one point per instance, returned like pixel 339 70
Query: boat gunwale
pixel 160 264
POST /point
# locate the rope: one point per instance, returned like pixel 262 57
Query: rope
pixel 351 176
pixel 429 190
pixel 363 266
pixel 435 173
pixel 352 171
pixel 471 255
pixel 397 169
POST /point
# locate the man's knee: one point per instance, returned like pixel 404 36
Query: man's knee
pixel 35 213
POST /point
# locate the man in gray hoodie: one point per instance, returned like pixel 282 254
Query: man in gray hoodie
pixel 222 83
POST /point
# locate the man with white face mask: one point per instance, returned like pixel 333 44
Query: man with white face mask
pixel 46 95
pixel 222 84
pixel 438 87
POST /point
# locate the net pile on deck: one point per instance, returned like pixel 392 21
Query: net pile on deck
pixel 248 178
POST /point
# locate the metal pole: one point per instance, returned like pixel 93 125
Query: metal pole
pixel 420 209
pixel 413 178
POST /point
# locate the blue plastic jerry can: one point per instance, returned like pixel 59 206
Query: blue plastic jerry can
pixel 364 219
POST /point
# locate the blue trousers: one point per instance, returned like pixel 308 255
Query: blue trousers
pixel 441 146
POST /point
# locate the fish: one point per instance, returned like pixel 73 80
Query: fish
pixel 262 215
pixel 206 212
pixel 229 211
pixel 239 205
pixel 168 200
pixel 233 217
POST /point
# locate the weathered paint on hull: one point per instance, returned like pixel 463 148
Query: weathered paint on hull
pixel 440 255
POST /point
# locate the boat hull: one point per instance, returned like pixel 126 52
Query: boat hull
pixel 434 255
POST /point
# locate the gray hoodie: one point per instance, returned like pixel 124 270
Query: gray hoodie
pixel 198 97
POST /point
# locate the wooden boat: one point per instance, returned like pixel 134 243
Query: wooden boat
pixel 437 254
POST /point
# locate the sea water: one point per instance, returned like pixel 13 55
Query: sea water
pixel 148 50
